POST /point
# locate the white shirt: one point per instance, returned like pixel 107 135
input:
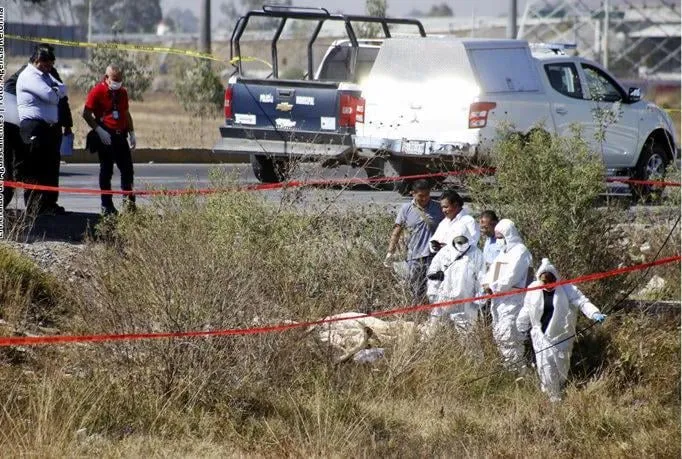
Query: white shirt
pixel 38 95
pixel 444 232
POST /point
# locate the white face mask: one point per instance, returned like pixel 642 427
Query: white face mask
pixel 461 248
pixel 501 243
pixel 115 85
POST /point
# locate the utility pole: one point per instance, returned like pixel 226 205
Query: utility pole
pixel 605 38
pixel 511 20
pixel 205 24
pixel 89 21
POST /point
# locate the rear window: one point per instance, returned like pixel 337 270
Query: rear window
pixel 337 67
pixel 505 70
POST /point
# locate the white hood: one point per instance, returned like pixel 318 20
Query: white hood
pixel 546 267
pixel 508 230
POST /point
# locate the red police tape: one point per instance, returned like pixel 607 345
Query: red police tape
pixel 37 340
pixel 254 187
pixel 641 182
pixel 294 184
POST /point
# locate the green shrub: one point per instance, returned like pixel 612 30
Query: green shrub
pixel 26 292
pixel 551 188
pixel 137 76
pixel 199 89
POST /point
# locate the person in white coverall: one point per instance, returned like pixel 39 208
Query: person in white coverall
pixel 508 272
pixel 452 205
pixel 550 315
pixel 455 273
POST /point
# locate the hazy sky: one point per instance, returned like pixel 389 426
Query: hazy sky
pixel 395 7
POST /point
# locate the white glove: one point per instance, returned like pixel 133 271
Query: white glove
pixel 104 136
pixel 387 260
pixel 131 140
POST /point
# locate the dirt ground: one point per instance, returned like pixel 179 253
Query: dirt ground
pixel 160 122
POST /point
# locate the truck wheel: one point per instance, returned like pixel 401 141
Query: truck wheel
pixel 270 170
pixel 652 164
pixel 404 187
pixel 374 170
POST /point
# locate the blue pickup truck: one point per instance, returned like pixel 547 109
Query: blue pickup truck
pixel 272 121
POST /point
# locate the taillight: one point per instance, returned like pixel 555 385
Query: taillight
pixel 478 114
pixel 351 111
pixel 228 102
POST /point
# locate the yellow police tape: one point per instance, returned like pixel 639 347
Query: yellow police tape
pixel 133 47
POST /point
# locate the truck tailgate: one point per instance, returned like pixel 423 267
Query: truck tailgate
pixel 289 105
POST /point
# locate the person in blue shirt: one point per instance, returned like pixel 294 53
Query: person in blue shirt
pixel 487 221
pixel 419 218
pixel 16 164
pixel 38 99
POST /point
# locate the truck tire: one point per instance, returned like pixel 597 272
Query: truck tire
pixel 404 187
pixel 375 169
pixel 270 170
pixel 652 165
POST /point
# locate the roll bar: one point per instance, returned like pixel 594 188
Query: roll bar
pixel 321 15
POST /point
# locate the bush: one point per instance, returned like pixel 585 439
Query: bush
pixel 551 188
pixel 137 77
pixel 199 89
pixel 26 292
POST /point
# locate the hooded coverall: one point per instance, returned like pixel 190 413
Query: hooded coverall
pixel 551 320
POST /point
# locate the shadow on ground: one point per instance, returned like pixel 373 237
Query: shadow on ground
pixel 70 227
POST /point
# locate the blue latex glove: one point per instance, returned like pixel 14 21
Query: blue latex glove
pixel 599 317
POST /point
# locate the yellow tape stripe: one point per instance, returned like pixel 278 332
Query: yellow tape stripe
pixel 124 46
pixel 133 47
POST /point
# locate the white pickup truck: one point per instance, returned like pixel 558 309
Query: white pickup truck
pixel 431 102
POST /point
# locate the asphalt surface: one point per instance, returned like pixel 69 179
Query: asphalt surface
pixel 84 209
pixel 183 176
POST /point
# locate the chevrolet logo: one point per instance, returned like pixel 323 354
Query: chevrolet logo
pixel 284 107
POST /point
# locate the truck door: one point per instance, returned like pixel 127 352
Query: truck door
pixel 617 120
pixel 568 104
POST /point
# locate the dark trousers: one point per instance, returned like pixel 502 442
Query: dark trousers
pixel 417 269
pixel 14 151
pixel 40 164
pixel 117 153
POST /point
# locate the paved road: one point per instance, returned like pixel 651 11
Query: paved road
pixel 84 209
pixel 181 176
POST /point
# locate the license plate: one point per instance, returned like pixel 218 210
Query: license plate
pixel 414 147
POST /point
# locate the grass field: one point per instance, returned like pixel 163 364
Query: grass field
pixel 236 260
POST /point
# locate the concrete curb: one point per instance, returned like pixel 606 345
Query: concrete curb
pixel 161 155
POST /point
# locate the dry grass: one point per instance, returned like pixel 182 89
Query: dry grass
pixel 236 261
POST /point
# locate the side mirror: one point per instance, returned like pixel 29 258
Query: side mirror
pixel 634 95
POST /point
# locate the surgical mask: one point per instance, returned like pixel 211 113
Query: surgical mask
pixel 461 248
pixel 115 85
pixel 501 243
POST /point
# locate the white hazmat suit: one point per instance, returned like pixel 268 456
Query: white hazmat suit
pixel 553 346
pixel 463 268
pixel 508 272
pixel 445 232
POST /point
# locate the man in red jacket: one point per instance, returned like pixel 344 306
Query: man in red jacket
pixel 106 112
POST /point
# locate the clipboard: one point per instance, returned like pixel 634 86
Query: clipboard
pixel 497 268
pixel 530 274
